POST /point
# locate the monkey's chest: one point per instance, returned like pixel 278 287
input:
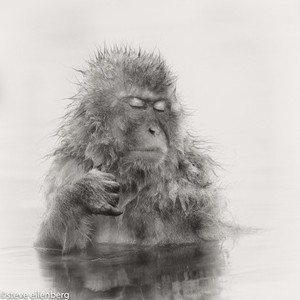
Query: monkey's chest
pixel 119 229
pixel 109 230
pixel 113 230
pixel 143 222
pixel 140 222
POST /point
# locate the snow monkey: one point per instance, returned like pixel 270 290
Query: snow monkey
pixel 125 169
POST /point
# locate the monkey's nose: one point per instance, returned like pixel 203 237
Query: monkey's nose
pixel 154 130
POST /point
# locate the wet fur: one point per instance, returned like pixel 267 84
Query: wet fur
pixel 175 201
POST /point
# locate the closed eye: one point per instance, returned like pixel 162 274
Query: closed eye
pixel 137 103
pixel 160 105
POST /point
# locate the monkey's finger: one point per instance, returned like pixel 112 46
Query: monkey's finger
pixel 109 176
pixel 113 199
pixel 112 189
pixel 112 186
pixel 109 181
pixel 109 210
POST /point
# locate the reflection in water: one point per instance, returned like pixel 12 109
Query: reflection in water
pixel 131 272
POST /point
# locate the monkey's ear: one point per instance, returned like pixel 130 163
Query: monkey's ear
pixel 94 154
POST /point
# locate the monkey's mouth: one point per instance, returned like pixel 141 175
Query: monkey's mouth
pixel 154 149
pixel 151 150
pixel 153 154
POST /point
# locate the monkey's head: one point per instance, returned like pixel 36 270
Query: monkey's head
pixel 126 115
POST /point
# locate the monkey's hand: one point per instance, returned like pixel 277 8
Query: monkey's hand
pixel 67 223
pixel 102 193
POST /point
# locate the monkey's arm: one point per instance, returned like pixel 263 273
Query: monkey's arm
pixel 72 197
pixel 199 167
pixel 199 194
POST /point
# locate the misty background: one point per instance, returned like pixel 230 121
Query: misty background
pixel 238 68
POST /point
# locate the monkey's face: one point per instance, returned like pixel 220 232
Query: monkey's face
pixel 141 127
pixel 139 133
pixel 131 112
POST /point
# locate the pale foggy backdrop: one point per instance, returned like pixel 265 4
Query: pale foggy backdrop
pixel 238 67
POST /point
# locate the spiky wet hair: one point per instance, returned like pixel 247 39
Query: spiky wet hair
pixel 126 66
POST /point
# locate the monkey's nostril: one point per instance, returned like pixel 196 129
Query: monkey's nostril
pixel 153 130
